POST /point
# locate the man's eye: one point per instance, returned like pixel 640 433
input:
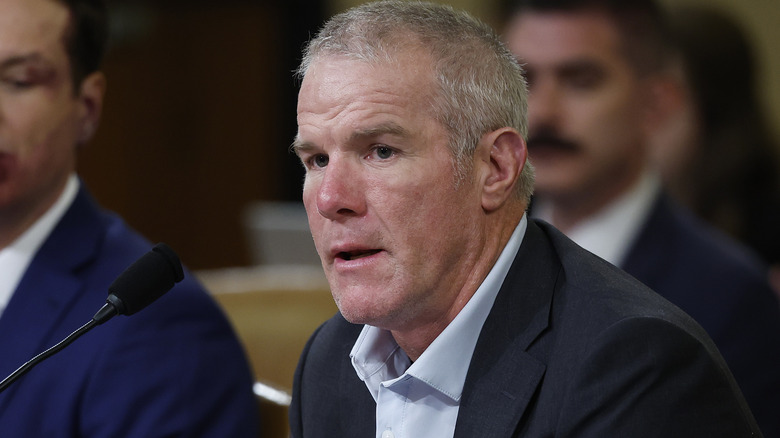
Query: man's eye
pixel 16 83
pixel 383 152
pixel 587 79
pixel 319 160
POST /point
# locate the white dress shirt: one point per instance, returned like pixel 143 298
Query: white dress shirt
pixel 16 257
pixel 422 399
pixel 611 232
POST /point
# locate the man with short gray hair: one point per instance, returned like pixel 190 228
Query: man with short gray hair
pixel 459 316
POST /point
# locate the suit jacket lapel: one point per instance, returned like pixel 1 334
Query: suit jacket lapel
pixel 503 376
pixel 648 259
pixel 49 286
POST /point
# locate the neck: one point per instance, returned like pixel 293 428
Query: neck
pixel 414 339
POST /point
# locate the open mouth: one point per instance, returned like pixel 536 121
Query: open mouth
pixel 354 255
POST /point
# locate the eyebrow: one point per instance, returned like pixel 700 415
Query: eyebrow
pixel 389 128
pixel 297 145
pixel 580 64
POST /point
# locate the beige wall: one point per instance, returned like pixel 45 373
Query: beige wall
pixel 761 19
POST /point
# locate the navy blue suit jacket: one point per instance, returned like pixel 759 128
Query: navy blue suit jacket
pixel 175 369
pixel 573 347
pixel 724 288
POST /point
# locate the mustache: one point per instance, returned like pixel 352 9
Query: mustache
pixel 547 138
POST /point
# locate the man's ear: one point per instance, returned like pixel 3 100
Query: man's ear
pixel 90 97
pixel 506 159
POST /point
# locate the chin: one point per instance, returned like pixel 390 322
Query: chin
pixel 355 309
pixel 358 316
pixel 364 313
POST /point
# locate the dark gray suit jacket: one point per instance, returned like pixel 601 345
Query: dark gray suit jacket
pixel 573 347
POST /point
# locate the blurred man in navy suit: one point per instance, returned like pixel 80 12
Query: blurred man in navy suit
pixel 174 369
pixel 597 73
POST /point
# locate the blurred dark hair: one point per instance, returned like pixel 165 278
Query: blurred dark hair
pixel 733 181
pixel 718 60
pixel 86 37
pixel 642 24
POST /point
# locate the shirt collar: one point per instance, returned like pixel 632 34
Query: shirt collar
pixel 377 358
pixel 610 232
pixel 16 257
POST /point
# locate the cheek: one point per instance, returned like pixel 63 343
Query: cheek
pixel 306 196
pixel 430 217
pixel 314 218
pixel 52 149
pixel 311 185
pixel 408 199
pixel 606 119
pixel 40 130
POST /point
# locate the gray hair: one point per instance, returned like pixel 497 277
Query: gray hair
pixel 481 86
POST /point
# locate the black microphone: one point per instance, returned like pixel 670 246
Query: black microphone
pixel 146 280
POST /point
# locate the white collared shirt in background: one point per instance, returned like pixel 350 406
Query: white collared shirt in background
pixel 611 232
pixel 16 257
pixel 422 399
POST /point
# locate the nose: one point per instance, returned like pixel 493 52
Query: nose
pixel 339 191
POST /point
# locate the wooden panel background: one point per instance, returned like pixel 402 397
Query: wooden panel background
pixel 198 116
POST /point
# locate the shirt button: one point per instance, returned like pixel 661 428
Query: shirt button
pixel 388 434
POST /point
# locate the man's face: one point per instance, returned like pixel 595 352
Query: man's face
pixel 40 117
pixel 392 228
pixel 585 105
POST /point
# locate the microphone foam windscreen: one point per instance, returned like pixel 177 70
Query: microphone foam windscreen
pixel 146 280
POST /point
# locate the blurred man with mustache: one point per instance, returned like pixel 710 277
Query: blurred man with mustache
pixel 596 71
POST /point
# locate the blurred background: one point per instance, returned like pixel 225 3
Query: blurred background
pixel 193 150
pixel 200 111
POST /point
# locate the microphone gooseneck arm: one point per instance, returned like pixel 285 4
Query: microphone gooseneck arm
pixel 146 280
pixel 22 370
